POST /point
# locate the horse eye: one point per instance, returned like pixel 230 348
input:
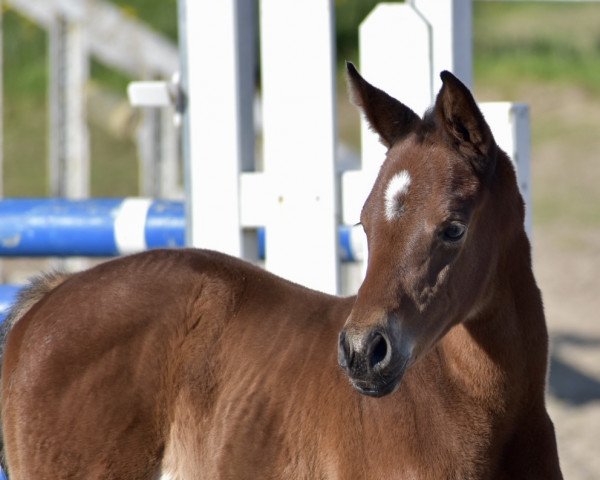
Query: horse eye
pixel 454 232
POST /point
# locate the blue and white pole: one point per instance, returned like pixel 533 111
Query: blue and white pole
pixel 109 227
pixel 8 295
pixel 91 228
pixel 34 227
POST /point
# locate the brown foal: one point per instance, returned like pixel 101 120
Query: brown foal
pixel 189 364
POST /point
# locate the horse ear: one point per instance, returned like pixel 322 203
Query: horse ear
pixel 462 121
pixel 388 117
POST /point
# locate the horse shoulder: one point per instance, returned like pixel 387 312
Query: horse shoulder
pixel 109 343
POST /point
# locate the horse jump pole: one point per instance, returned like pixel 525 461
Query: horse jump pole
pixel 106 227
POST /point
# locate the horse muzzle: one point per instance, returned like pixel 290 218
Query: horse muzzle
pixel 374 360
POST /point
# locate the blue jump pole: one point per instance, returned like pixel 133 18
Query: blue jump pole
pixel 8 295
pixel 104 228
pixel 90 228
pixel 33 227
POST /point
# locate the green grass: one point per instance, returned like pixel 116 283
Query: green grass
pixel 114 166
pixel 161 14
pixel 25 147
pixel 25 68
pixel 560 43
pixel 113 161
pixel 573 209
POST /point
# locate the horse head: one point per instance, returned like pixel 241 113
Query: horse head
pixel 434 227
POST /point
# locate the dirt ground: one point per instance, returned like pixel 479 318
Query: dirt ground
pixel 569 279
pixel 566 253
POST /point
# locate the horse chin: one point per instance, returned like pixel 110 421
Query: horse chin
pixel 377 389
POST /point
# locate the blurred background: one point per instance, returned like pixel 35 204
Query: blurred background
pixel 545 54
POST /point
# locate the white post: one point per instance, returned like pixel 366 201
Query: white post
pixel 451 27
pixel 395 51
pixel 511 128
pixel 158 136
pixel 69 162
pixel 169 166
pixel 157 140
pixel 148 148
pixel 212 75
pixel 403 48
pixel 521 156
pixel 423 37
pixel 69 139
pixel 299 140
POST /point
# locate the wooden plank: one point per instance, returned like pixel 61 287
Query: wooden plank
pixel 299 140
pixel 213 149
pixel 510 125
pixel 451 26
pixel 124 43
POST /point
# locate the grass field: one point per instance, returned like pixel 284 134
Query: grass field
pixel 558 43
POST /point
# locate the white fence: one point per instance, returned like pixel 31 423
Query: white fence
pixel 298 197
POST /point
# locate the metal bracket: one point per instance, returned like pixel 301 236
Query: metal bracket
pixel 159 94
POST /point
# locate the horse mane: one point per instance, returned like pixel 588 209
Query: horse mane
pixel 37 288
pixel 27 297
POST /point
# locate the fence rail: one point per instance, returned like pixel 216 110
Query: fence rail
pixel 114 38
pixel 40 227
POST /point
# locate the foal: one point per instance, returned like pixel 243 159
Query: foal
pixel 188 364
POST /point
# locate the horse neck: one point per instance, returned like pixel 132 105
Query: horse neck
pixel 499 354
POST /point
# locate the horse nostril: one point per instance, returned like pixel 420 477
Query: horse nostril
pixel 379 351
pixel 345 353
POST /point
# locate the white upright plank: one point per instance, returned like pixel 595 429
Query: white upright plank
pixel 451 26
pixel 212 124
pixel 69 152
pixel 394 42
pixel 521 126
pixel 403 47
pixel 299 140
pixel 511 128
pixel 394 56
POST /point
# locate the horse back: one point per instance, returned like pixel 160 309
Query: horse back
pixel 115 349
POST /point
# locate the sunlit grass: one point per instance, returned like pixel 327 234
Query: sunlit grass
pixel 537 41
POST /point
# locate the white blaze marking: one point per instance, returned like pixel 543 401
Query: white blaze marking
pixel 396 187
